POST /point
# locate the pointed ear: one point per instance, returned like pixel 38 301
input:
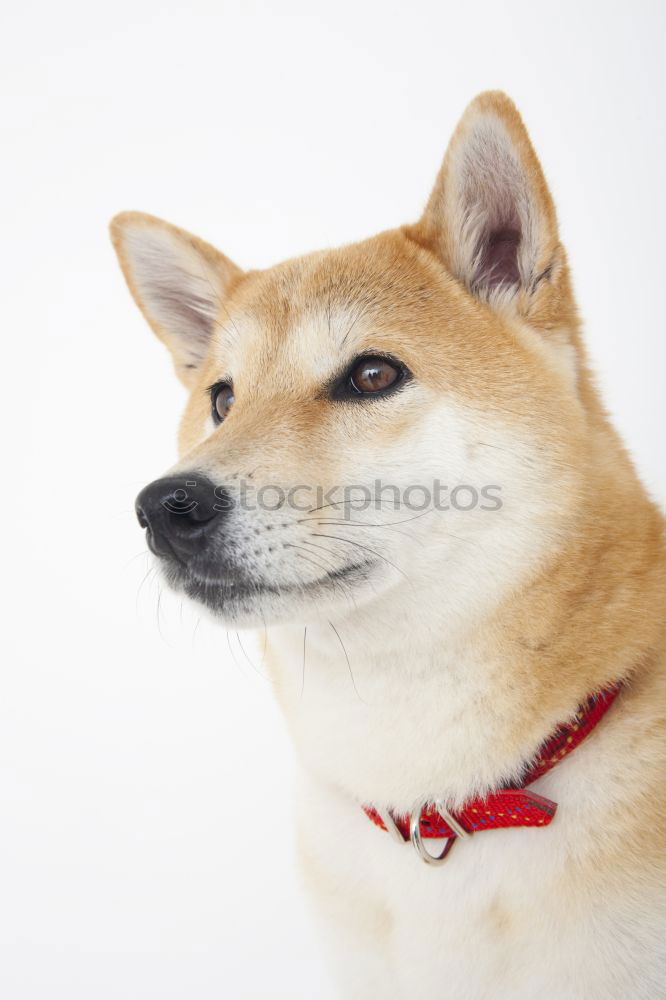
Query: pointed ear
pixel 490 217
pixel 178 281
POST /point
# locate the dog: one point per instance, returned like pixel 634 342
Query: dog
pixel 394 457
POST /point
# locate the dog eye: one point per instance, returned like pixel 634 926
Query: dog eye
pixel 222 398
pixel 373 375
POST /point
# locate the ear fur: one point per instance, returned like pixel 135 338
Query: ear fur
pixel 490 217
pixel 177 280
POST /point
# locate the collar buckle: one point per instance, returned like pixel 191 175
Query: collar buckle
pixel 417 840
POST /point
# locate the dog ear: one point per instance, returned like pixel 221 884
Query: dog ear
pixel 490 216
pixel 178 281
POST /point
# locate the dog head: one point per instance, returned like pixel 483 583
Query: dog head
pixel 402 412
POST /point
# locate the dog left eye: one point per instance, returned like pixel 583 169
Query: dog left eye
pixel 222 399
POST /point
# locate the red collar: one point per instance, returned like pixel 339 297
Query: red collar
pixel 511 806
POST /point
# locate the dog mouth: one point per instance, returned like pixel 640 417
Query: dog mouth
pixel 238 590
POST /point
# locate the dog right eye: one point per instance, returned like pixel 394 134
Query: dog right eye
pixel 222 398
pixel 371 375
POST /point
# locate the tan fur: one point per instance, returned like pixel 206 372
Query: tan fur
pixel 582 606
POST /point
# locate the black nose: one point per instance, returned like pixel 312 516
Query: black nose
pixel 179 513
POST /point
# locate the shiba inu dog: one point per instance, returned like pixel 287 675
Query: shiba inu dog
pixel 454 666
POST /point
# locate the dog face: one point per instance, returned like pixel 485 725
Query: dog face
pixel 393 416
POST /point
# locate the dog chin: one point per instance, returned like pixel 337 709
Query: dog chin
pixel 247 602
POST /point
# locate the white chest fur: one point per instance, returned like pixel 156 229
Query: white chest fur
pixel 511 915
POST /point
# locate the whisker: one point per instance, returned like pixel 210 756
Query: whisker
pixel 371 524
pixel 347 659
pixel 158 612
pixel 346 591
pixel 366 548
pixel 253 665
pixel 263 651
pixel 305 634
pixel 360 313
pixel 231 650
pixel 368 524
pixel 149 572
pixel 389 527
pixel 314 545
pixel 143 552
pixel 336 503
pixel 309 558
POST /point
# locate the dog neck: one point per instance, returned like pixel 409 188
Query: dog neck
pixel 405 697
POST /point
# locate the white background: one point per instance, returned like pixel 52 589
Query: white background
pixel 145 838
